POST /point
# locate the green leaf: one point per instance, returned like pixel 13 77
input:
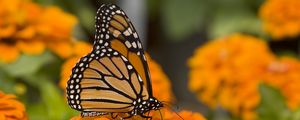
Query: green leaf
pixel 7 83
pixel 181 18
pixel 44 2
pixel 56 105
pixel 27 64
pixel 228 22
pixel 37 111
pixel 296 115
pixel 272 106
pixel 54 102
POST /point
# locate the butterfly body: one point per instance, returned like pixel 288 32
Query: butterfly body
pixel 114 77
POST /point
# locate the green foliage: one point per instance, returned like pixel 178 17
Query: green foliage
pixel 181 18
pixel 273 105
pixel 57 107
pixel 52 106
pixel 221 17
pixel 44 99
pixel 26 64
pixel 228 22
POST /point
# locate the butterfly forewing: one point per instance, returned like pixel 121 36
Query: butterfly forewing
pixel 114 30
pixel 104 81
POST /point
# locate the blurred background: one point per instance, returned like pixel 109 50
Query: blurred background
pixel 180 36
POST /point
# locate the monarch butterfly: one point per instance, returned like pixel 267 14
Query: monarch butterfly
pixel 114 77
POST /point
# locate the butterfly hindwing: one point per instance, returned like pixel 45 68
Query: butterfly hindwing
pixel 114 30
pixel 104 81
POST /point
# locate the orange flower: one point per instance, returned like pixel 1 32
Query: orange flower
pixel 26 27
pixel 9 53
pixel 55 23
pixel 105 117
pixel 281 18
pixel 226 71
pixel 90 118
pixel 10 108
pixel 78 50
pixel 284 75
pixel 163 114
pixel 160 81
pixel 171 115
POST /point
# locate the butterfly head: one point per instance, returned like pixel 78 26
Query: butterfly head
pixel 144 106
pixel 154 104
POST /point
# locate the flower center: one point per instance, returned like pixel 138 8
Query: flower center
pixel 8 41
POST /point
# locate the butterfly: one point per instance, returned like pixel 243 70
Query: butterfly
pixel 114 77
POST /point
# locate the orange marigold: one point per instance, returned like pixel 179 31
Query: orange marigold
pixel 281 18
pixel 284 75
pixel 225 71
pixel 26 27
pixel 164 114
pixel 160 82
pixel 78 50
pixel 171 115
pixel 228 71
pixel 10 108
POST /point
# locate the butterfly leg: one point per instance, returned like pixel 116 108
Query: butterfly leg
pixel 112 116
pixel 147 117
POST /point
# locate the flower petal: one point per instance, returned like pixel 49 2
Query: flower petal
pixel 8 53
pixel 62 49
pixel 34 47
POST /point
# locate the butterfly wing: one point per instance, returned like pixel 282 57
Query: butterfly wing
pixel 104 81
pixel 114 30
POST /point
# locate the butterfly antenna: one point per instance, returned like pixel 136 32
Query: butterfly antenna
pixel 178 115
pixel 167 102
pixel 172 109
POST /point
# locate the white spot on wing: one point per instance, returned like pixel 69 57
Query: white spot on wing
pixel 129 67
pixel 124 58
pixel 139 44
pixel 81 64
pixel 116 33
pixel 126 33
pixel 127 43
pixel 134 45
pixel 115 53
pixel 118 11
pixel 140 79
pixel 135 35
pixel 129 30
